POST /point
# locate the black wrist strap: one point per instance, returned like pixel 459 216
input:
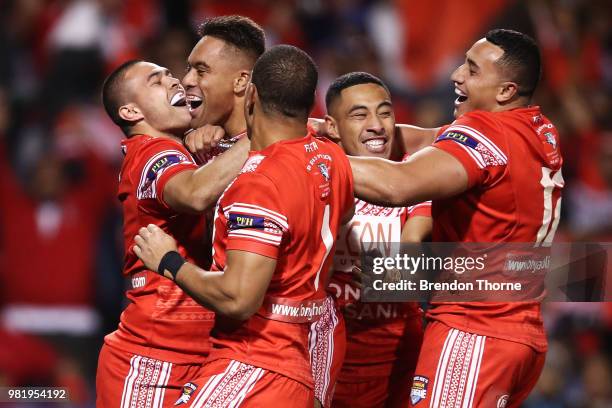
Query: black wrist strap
pixel 172 262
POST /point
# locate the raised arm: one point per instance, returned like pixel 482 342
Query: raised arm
pixel 237 292
pixel 198 190
pixel 414 138
pixel 428 174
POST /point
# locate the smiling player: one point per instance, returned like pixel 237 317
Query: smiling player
pixel 382 339
pixel 274 235
pixel 162 338
pixel 495 176
pixel 218 71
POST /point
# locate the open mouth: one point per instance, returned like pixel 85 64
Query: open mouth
pixel 194 102
pixel 178 99
pixel 376 145
pixel 461 97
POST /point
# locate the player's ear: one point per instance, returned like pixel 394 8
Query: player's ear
pixel 130 113
pixel 241 81
pixel 250 96
pixel 507 92
pixel 332 129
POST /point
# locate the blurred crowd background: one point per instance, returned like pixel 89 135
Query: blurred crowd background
pixel 61 288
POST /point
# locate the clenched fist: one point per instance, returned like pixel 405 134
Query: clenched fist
pixel 152 244
pixel 202 140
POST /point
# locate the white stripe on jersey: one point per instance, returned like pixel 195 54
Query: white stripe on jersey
pixel 250 209
pixel 145 169
pixel 481 138
pixel 475 155
pixel 265 237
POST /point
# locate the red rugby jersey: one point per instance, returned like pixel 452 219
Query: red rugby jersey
pixel 287 203
pixel 513 162
pixel 161 321
pixel 377 333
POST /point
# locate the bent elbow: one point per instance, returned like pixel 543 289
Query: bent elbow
pixel 202 202
pixel 394 195
pixel 240 311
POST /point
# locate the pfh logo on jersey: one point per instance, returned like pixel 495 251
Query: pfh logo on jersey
pixel 188 390
pixel 419 389
pixel 324 171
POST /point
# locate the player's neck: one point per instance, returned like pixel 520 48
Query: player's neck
pixel 236 123
pixel 149 131
pixel 515 104
pixel 268 130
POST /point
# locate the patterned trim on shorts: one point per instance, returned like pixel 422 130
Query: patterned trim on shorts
pixel 145 384
pixel 229 388
pixel 457 372
pixel 321 347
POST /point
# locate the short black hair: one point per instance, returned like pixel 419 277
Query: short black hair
pixel 112 98
pixel 286 80
pixel 521 58
pixel 348 80
pixel 239 31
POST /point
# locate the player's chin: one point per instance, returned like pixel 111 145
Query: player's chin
pixel 381 154
pixel 197 122
pixel 179 127
pixel 460 109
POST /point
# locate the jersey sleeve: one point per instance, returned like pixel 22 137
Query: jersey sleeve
pixel 477 143
pixel 420 210
pixel 159 161
pixel 256 221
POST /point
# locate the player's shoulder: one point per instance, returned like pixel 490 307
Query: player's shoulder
pixel 479 121
pixel 477 128
pixel 486 121
pixel 330 146
pixel 281 160
pixel 257 170
pixel 143 146
pixel 147 157
pixel 277 159
pixel 254 181
pixel 158 144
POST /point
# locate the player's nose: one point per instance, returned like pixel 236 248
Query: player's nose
pixel 375 125
pixel 174 82
pixel 457 75
pixel 189 79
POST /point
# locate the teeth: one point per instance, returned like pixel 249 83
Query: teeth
pixel 194 102
pixel 458 92
pixel 193 98
pixel 375 142
pixel 177 98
